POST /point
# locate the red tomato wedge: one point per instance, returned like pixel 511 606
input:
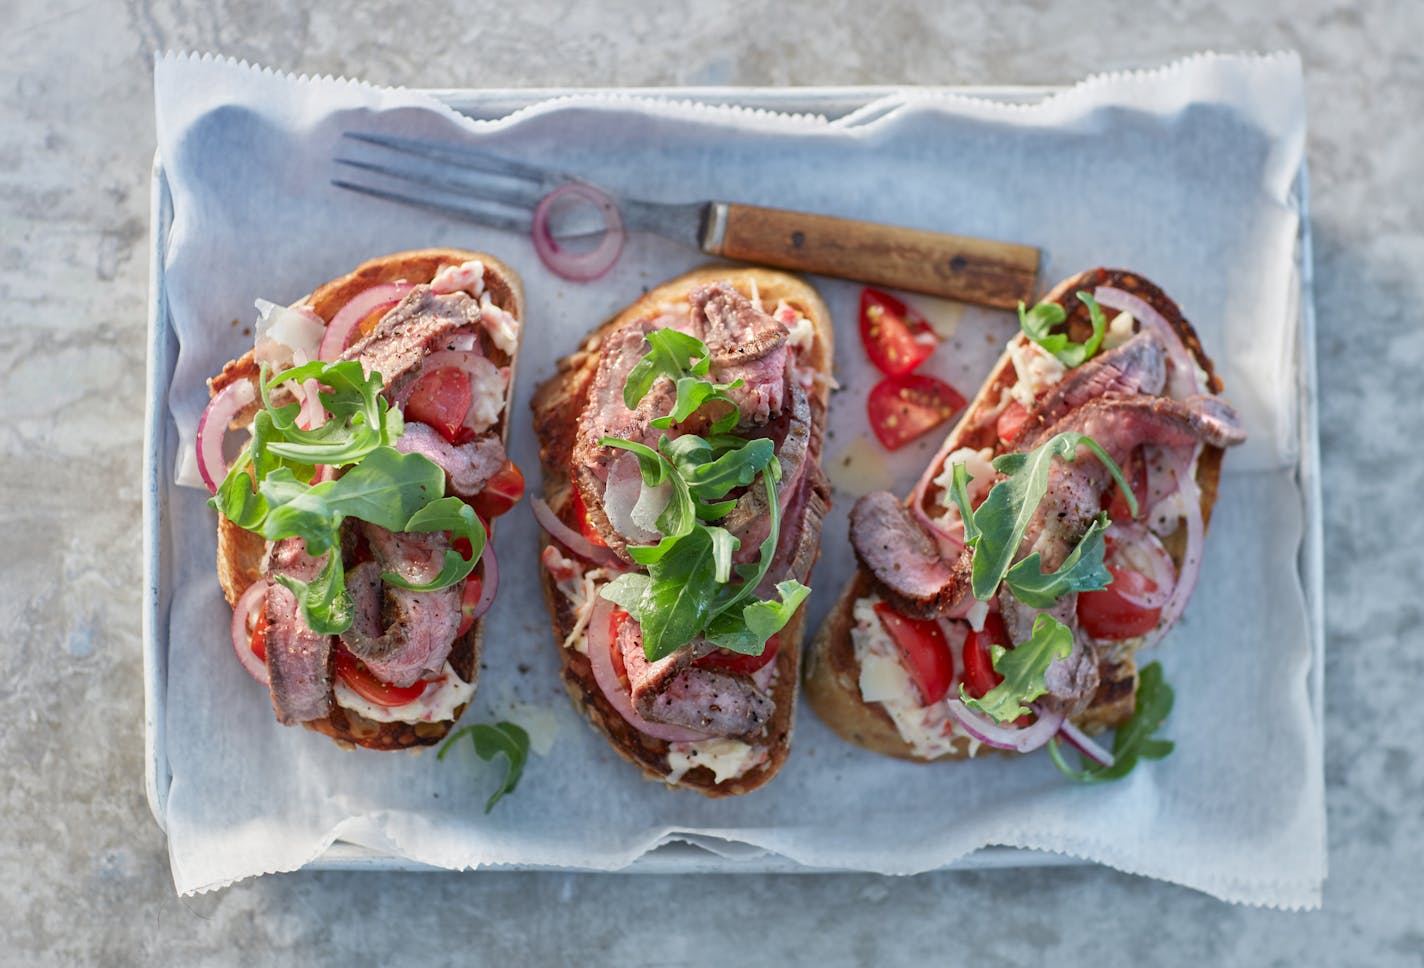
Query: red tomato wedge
pixel 1106 614
pixel 469 598
pixel 897 338
pixel 259 635
pixel 441 398
pixel 354 673
pixel 923 651
pixel 615 625
pixel 738 664
pixel 585 526
pixel 1135 470
pixel 1011 421
pixel 902 408
pixel 979 674
pixel 501 492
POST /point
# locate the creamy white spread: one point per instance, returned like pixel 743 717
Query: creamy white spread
pixel 468 277
pixel 435 705
pixel 1037 370
pixel 978 464
pixel 927 729
pixel 487 395
pixel 726 758
pixel 503 328
pixel 579 587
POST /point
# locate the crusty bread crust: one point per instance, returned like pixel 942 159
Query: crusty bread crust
pixel 557 404
pixel 240 552
pixel 831 674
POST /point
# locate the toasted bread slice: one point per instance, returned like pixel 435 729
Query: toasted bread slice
pixel 240 552
pixel 557 404
pixel 831 672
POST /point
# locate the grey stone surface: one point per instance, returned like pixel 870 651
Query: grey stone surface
pixel 83 870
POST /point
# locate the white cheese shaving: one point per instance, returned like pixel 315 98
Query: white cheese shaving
pixel 1119 331
pixel 579 587
pixel 467 277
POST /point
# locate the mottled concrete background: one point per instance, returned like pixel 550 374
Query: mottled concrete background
pixel 83 870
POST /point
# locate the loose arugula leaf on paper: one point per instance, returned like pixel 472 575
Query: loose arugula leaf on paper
pixel 499 739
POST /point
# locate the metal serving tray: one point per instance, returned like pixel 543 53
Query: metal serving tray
pixel 848 106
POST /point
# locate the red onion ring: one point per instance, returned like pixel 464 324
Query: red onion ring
pixel 1084 744
pixel 221 410
pixel 567 536
pixel 489 582
pixel 1139 549
pixel 339 330
pixel 253 599
pixel 579 266
pixel 601 659
pixel 1191 555
pixel 1182 381
pixel 990 733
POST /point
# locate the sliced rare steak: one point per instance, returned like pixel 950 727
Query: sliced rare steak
pixel 467 466
pixel 420 324
pixel 298 659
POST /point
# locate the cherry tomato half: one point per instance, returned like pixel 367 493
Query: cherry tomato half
pixel 979 673
pixel 469 598
pixel 1011 421
pixel 501 492
pixel 259 635
pixel 363 682
pixel 923 651
pixel 902 408
pixel 738 664
pixel 1105 614
pixel 581 519
pixel 441 398
pixel 897 339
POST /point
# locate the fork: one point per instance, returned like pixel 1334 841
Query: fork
pixel 503 193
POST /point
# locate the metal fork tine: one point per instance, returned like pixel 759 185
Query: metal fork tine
pixel 461 155
pixel 447 205
pixel 450 180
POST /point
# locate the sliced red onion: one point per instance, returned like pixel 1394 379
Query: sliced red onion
pixel 489 581
pixel 1084 744
pixel 579 266
pixel 600 657
pixel 343 324
pixel 1182 381
pixel 212 429
pixel 1191 555
pixel 1138 548
pixel 990 733
pixel 251 602
pixel 567 536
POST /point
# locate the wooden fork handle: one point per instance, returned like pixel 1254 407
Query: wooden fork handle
pixel 971 270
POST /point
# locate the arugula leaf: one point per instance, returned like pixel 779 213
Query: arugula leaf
pixel 501 739
pixel 1133 741
pixel 671 356
pixel 325 603
pixel 1023 669
pixel 749 631
pixel 1005 514
pixel 453 515
pixel 1037 324
pixel 1082 571
pixel 723 545
pixel 679 599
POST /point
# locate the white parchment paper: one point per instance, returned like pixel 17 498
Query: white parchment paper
pixel 1185 174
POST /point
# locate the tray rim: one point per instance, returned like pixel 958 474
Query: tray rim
pixel 835 104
